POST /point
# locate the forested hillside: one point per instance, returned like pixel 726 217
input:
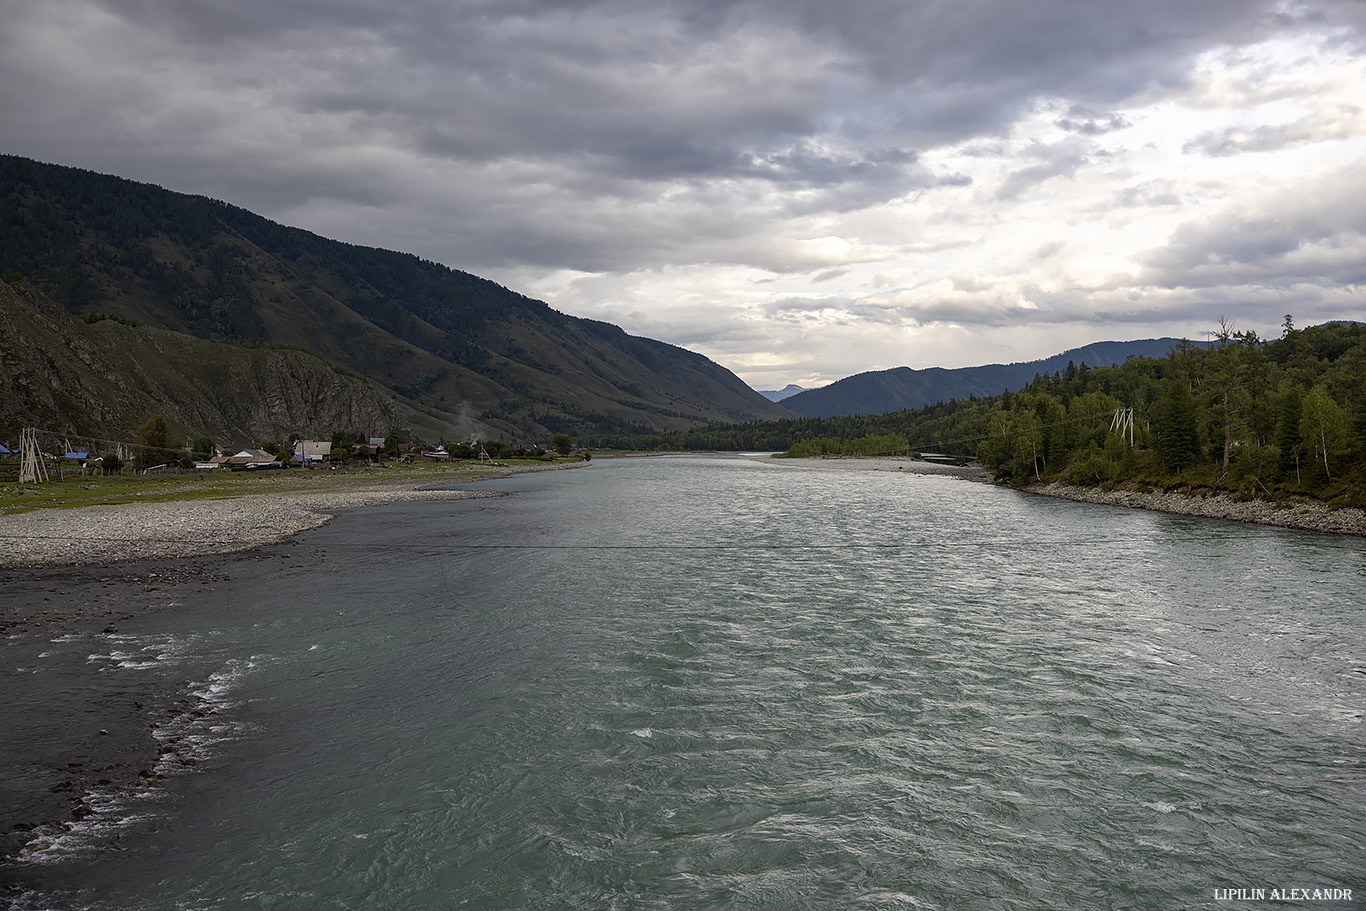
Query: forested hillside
pixel 1261 419
pixel 459 353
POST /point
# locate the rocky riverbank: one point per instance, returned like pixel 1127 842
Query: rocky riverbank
pixel 1302 514
pixel 107 534
pixel 81 591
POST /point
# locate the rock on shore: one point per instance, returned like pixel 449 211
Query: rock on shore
pixel 1302 514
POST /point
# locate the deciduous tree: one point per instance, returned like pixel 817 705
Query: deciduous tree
pixel 151 443
pixel 1323 427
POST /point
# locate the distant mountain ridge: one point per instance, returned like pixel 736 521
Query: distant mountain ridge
pixel 456 354
pixel 882 391
pixel 778 395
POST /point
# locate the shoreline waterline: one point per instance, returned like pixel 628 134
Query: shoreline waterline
pixel 102 534
pixel 100 574
pixel 1299 514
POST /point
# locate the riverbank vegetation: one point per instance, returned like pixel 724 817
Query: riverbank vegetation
pixel 115 489
pixel 1253 418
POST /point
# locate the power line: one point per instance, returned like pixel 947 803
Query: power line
pixel 1002 434
pixel 682 547
pixel 57 435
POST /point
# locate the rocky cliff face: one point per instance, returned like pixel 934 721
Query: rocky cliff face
pixel 98 381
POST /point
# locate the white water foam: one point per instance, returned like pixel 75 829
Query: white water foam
pixel 188 739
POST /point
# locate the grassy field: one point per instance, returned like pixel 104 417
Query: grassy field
pixel 75 491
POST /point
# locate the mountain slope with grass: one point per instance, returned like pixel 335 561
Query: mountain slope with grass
pixel 92 381
pixel 457 353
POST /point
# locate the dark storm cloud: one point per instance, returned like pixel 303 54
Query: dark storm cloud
pixel 1082 120
pixel 1061 160
pixel 637 89
pixel 1314 234
pixel 610 137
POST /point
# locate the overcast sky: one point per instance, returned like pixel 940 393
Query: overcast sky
pixel 800 190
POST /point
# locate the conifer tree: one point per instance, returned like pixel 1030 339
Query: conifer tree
pixel 1178 439
pixel 1288 430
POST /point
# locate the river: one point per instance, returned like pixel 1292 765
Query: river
pixel 718 682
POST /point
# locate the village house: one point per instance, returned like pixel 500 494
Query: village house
pixel 311 451
pixel 217 460
pixel 249 458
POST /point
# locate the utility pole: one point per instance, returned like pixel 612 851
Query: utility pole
pixel 1124 422
pixel 32 468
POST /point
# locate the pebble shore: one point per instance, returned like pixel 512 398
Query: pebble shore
pixel 186 528
pixel 1301 514
pixel 108 571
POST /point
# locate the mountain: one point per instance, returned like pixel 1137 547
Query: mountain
pixel 882 391
pixel 96 381
pixel 777 395
pixel 457 354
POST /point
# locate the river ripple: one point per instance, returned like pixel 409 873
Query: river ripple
pixel 715 682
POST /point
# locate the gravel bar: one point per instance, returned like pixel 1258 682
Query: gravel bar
pixel 186 528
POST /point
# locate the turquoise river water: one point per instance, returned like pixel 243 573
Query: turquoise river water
pixel 717 682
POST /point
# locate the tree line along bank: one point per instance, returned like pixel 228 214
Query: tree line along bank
pixel 1260 419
